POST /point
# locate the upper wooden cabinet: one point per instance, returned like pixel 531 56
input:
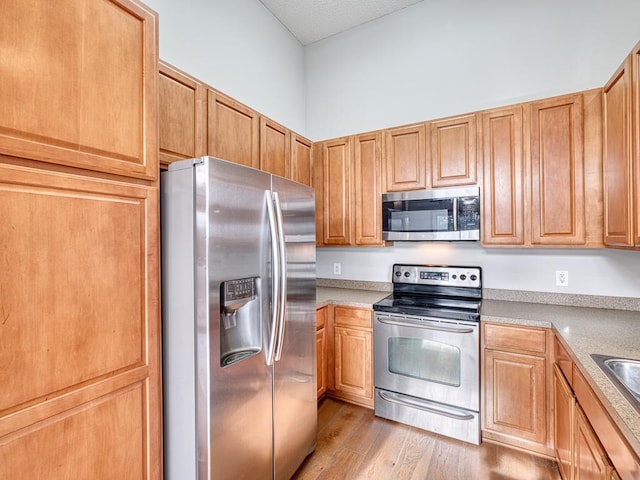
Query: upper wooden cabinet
pixel 233 130
pixel 337 181
pixel 406 160
pixel 621 151
pixel 542 173
pixel 301 165
pixel 453 151
pixel 367 165
pixel 275 147
pixel 79 84
pixel 557 171
pixel 181 115
pixel 503 195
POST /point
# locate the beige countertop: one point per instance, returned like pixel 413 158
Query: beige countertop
pixel 348 296
pixel 585 331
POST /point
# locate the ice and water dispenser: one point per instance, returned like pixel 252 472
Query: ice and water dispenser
pixel 240 320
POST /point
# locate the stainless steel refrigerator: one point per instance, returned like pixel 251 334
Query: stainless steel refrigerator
pixel 238 294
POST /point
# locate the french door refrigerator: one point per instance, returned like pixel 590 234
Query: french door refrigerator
pixel 238 293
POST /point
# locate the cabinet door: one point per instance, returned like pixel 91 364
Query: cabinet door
pixel 275 148
pixel 79 84
pixel 80 331
pixel 515 395
pixel 617 159
pixel 233 130
pixel 301 160
pixel 564 408
pixel 406 161
pixel 367 165
pixel 318 186
pixel 503 195
pixel 557 171
pixel 353 362
pixel 181 116
pixel 636 140
pixel 453 152
pixel 591 462
pixel 321 350
pixel 336 161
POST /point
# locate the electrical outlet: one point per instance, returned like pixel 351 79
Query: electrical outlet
pixel 562 278
pixel 337 269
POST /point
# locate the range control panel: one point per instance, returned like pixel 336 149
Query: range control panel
pixel 438 275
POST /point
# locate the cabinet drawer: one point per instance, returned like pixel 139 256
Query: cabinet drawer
pixel 562 358
pixel 352 317
pixel 321 317
pixel 515 338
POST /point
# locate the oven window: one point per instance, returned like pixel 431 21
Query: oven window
pixel 425 359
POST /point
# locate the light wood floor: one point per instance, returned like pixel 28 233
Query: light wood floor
pixel 355 444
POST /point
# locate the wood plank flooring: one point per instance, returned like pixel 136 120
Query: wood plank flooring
pixel 355 444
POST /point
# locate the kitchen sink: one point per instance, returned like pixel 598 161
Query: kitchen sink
pixel 625 374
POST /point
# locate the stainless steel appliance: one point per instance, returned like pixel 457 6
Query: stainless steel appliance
pixel 427 350
pixel 238 252
pixel 448 214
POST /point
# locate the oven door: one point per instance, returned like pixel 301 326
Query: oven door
pixel 428 358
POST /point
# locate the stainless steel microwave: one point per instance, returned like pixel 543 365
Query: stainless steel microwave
pixel 443 214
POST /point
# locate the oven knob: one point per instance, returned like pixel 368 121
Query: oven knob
pixel 406 274
pixel 398 273
pixel 473 278
pixel 454 276
pixel 463 277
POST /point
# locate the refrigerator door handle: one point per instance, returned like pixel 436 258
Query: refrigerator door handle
pixel 275 277
pixel 283 277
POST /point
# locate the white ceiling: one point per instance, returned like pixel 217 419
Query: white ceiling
pixel 313 20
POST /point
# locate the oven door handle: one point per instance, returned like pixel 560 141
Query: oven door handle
pixel 419 324
pixel 427 406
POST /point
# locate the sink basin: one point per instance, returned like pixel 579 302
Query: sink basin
pixel 625 373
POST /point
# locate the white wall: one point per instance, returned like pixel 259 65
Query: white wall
pixel 446 57
pixel 591 272
pixel 239 48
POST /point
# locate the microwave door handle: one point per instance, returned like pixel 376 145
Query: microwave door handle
pixel 455 214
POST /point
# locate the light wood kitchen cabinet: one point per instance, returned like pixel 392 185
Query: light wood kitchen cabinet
pixel 587 443
pixel 542 173
pixel 275 148
pixel 515 388
pixel 182 114
pixel 453 151
pixel 233 130
pixel 557 171
pixel 301 160
pixel 337 181
pixel 79 84
pixel 406 158
pixel 503 217
pixel 621 155
pixel 79 238
pixel 80 327
pixel 321 350
pixel 367 165
pixel 563 423
pixel 318 185
pixel 353 355
pixel 591 462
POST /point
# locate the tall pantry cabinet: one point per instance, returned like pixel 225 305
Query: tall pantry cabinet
pixel 80 392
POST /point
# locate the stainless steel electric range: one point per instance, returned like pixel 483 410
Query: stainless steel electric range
pixel 427 350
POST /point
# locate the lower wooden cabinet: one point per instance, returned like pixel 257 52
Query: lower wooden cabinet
pixel 321 349
pixel 352 357
pixel 587 443
pixel 515 386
